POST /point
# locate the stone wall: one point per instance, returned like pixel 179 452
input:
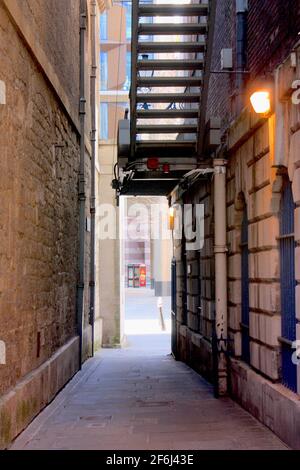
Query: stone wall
pixel 251 182
pixel 108 258
pixel 261 152
pixel 195 289
pixel 55 26
pixel 40 147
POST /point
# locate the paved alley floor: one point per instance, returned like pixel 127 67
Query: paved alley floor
pixel 139 397
pixel 142 322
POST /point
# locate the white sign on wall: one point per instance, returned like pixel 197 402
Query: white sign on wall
pixel 2 92
pixel 296 93
pixel 2 353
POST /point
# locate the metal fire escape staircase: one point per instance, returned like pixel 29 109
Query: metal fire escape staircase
pixel 170 66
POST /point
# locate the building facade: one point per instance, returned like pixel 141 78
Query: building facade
pixel 260 157
pixel 115 34
pixel 46 323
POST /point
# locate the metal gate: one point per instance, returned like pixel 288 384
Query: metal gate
pixel 173 308
pixel 288 284
pixel 245 289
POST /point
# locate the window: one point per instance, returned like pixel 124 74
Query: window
pixel 288 286
pixel 128 72
pixel 110 114
pixel 147 19
pixel 127 6
pixel 103 26
pixel 104 121
pixel 245 289
pixel 103 71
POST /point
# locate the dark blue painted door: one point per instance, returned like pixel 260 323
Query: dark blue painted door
pixel 173 308
pixel 245 289
pixel 288 284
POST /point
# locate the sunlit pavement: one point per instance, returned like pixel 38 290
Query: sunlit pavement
pixel 142 325
pixel 139 397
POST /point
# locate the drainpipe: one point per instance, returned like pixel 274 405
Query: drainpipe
pixel 82 197
pixel 93 167
pixel 220 250
pixel 241 50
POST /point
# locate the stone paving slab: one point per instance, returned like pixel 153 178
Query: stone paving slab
pixel 131 399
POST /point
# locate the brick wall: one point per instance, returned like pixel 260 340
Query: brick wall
pixel 221 86
pixel 273 27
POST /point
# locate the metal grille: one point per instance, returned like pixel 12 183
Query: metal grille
pixel 288 284
pixel 245 290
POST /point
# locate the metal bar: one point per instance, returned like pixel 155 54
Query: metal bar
pixel 206 76
pixel 164 149
pixel 286 341
pixel 82 184
pixel 173 10
pixel 285 237
pixel 93 135
pixel 170 64
pixel 169 81
pixel 235 72
pixel 167 98
pixel 166 29
pixel 167 113
pixel 133 88
pixel 165 143
pixel 162 47
pixel 166 129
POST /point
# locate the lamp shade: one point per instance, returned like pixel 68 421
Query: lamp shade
pixel 261 101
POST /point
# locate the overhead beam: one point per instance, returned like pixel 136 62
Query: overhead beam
pixel 170 64
pixel 169 81
pixel 171 29
pixel 163 47
pixel 173 10
pixel 167 98
pixel 167 114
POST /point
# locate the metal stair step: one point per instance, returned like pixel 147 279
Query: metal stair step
pixel 170 64
pixel 162 47
pixel 169 81
pixel 167 98
pixel 167 114
pixel 173 10
pixel 172 29
pixel 167 129
pixel 165 143
pixel 166 148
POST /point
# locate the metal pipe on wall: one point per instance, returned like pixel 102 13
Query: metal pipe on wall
pixel 93 79
pixel 220 250
pixel 81 189
pixel 241 50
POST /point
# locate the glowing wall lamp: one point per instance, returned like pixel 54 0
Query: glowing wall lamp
pixel 171 218
pixel 261 101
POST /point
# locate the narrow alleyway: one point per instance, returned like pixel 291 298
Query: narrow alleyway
pixel 140 398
